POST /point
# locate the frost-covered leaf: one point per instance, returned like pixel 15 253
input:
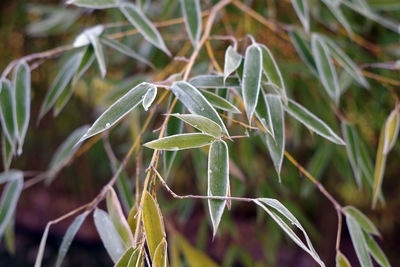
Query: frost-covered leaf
pixel 160 255
pixel 83 38
pixel 335 8
pixel 191 11
pixel 201 123
pixel 7 109
pixel 376 251
pixel 7 152
pixel 361 219
pixel 9 200
pixel 303 48
pixel 181 141
pixel 219 102
pixel 232 61
pixel 391 130
pixel 302 10
pixel 149 97
pixel 353 151
pixel 99 53
pixel 95 4
pixel 215 81
pixel 359 242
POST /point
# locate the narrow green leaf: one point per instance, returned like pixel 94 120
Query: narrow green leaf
pixel 10 175
pixel 313 122
pixel 263 114
pixel 181 141
pixel 218 181
pixel 126 50
pixel 65 152
pixel 7 152
pixel 87 60
pixel 252 72
pixel 376 251
pixel 391 130
pixel 69 236
pixel 196 103
pixel 304 50
pixel 353 151
pixel 60 82
pixel 334 7
pixel 124 186
pixel 359 242
pixel 39 256
pixel 389 5
pixel 326 69
pixel 380 165
pixel 153 223
pixel 9 200
pixel 365 162
pixel 22 85
pixel 201 123
pixel 135 16
pixel 118 110
pixel 341 260
pixel 98 51
pixel 160 255
pixel 361 219
pixel 95 4
pixel 219 102
pixel 83 39
pixel 63 100
pixel 191 11
pixel 149 97
pixel 9 236
pixel 232 61
pixel 215 81
pixel 302 11
pixel 108 234
pixel 7 108
pixel 276 146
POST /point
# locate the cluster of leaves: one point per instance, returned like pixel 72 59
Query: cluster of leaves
pixel 256 87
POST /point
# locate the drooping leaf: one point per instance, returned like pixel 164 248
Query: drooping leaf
pixel 359 242
pixel 219 102
pixel 22 85
pixel 181 141
pixel 118 110
pixel 10 175
pixel 215 81
pixel 123 186
pixel 313 122
pixel 43 240
pixel 160 255
pixel 149 97
pixel 153 223
pixel 9 200
pixel 335 8
pixel 63 100
pixel 9 236
pixel 376 251
pixel 232 61
pixel 326 69
pixel 196 103
pixel 191 11
pixel 353 151
pixel 132 218
pixel 65 152
pixel 7 152
pixel 361 219
pixel 302 11
pixel 108 234
pixel 7 108
pixel 95 4
pixel 252 78
pixel 263 114
pixel 341 260
pixel 69 236
pixel 135 16
pixel 201 123
pixel 276 145
pixel 86 62
pixel 60 82
pixel 380 165
pixel 304 50
pixel 392 126
pixel 218 181
pixel 99 53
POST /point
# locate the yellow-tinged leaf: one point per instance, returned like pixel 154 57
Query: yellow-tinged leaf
pixel 160 256
pixel 341 260
pixel 153 223
pixel 132 219
pixel 380 164
pixel 391 131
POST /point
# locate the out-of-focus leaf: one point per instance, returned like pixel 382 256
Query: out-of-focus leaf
pixel 302 10
pixel 359 242
pixel 22 85
pixel 201 123
pixel 69 236
pixel 123 185
pixel 325 67
pixel 39 256
pixel 118 219
pixel 341 260
pixel 86 62
pixel 313 122
pixel 153 223
pixel 160 255
pixel 108 234
pixel 380 165
pixel 95 4
pixel 335 8
pixel 232 61
pixel 83 38
pixel 126 50
pixel 99 53
pixel 196 103
pixel 10 175
pixel 353 151
pixel 215 81
pixel 181 141
pixel 7 108
pixel 7 152
pixel 149 97
pixel 60 82
pixel 9 236
pixel 62 100
pixel 118 110
pixel 276 145
pixel 283 211
pixel 219 102
pixel 391 130
pixel 252 72
pixel 384 4
pixel 218 181
pixel 376 251
pixel 304 50
pixel 361 219
pixel 135 16
pixel 65 152
pixel 9 200
pixel 191 11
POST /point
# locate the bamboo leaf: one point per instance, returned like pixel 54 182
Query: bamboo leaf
pixel 9 200
pixel 153 223
pixel 136 259
pixel 63 100
pixel 276 145
pixel 118 110
pixel 196 103
pixel 218 181
pixel 359 242
pixel 181 141
pixel 108 234
pixel 124 260
pixel 353 151
pixel 87 60
pixel 83 38
pixel 334 7
pixel 263 114
pixel 65 152
pixel 341 260
pixel 313 122
pixel 201 123
pixel 376 251
pixel 132 219
pixel 149 97
pixel 7 108
pixel 326 69
pixel 232 61
pixel 69 236
pixel 302 11
pixel 215 81
pixel 380 165
pixel 191 11
pixel 252 78
pixel 361 219
pixel 95 4
pixel 9 236
pixel 304 50
pixel 160 255
pixel 391 130
pixel 22 85
pixel 7 152
pixel 135 16
pixel 219 102
pixel 10 175
pixel 99 53
pixel 39 256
